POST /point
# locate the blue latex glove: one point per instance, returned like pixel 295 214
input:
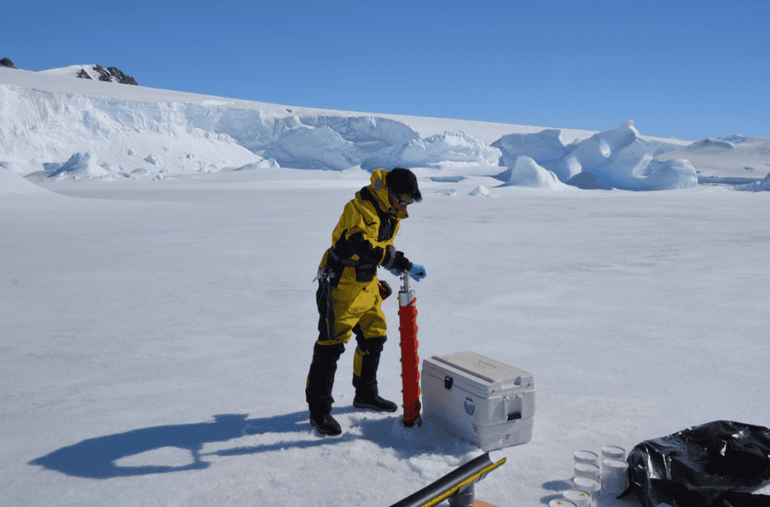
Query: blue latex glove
pixel 417 272
pixel 396 273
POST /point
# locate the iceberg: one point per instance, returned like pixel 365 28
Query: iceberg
pixel 545 147
pixel 79 166
pixel 617 158
pixel 757 186
pixel 435 151
pixel 527 173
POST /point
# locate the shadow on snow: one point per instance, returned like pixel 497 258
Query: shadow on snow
pixel 97 458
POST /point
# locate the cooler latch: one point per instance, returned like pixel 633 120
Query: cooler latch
pixel 448 381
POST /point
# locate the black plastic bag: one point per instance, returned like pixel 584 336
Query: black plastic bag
pixel 714 465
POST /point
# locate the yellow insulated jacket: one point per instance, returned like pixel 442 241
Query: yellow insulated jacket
pixel 363 238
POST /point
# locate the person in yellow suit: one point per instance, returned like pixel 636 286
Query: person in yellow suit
pixel 349 294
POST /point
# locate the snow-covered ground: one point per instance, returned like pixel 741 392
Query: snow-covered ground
pixel 157 327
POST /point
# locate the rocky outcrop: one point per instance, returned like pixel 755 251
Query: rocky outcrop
pixel 120 77
pixel 6 62
pixel 110 75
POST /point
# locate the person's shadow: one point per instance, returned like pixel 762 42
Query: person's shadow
pixel 100 458
pixel 97 458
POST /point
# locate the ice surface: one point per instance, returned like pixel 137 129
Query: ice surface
pixel 15 184
pixel 157 334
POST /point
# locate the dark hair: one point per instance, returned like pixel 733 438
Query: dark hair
pixel 403 181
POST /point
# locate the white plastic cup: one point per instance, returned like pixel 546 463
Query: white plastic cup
pixel 613 452
pixel 586 484
pixel 561 502
pixel 614 478
pixel 586 470
pixel 579 498
pixel 590 486
pixel 587 457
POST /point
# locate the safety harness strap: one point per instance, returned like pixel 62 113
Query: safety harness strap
pixel 349 262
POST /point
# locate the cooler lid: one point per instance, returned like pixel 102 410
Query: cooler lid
pixel 495 374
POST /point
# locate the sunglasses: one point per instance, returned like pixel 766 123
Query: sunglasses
pixel 403 200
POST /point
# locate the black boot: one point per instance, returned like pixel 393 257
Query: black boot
pixel 371 400
pixel 325 424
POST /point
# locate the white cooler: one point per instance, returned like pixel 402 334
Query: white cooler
pixel 480 400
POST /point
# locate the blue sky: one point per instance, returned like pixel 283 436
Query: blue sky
pixel 677 68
